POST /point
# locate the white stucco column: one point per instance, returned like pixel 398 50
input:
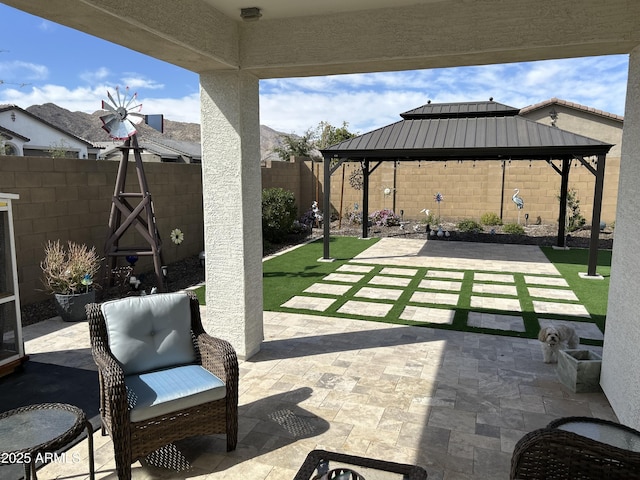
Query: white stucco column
pixel 232 197
pixel 620 378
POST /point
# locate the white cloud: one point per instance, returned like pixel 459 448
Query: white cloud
pixel 374 100
pixel 17 71
pixel 95 76
pixel 137 81
pixel 88 100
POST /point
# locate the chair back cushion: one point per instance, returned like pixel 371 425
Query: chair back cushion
pixel 150 332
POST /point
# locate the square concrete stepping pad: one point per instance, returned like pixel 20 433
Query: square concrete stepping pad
pixel 328 289
pixel 354 268
pixel 445 274
pixel 378 293
pixel 493 277
pixel 395 281
pixel 441 285
pixel 583 329
pixel 309 303
pixel 496 321
pixel 497 289
pixel 549 281
pixel 560 308
pixel 368 309
pixel 428 315
pixel 343 277
pixel 434 297
pixel 493 303
pixel 409 272
pixel 552 293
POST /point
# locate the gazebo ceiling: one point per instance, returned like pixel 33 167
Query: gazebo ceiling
pixel 470 130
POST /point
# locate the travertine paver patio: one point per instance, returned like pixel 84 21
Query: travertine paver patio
pixel 453 402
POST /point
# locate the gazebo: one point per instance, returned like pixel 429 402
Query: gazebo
pixel 471 131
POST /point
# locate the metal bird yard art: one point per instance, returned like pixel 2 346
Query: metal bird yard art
pixel 518 201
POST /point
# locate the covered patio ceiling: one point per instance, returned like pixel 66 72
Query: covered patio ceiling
pixel 471 131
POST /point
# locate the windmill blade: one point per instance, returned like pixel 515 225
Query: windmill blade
pixel 106 106
pixel 130 128
pixel 108 117
pixel 113 102
pixel 135 118
pixel 112 126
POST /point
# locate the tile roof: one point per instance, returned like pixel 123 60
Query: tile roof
pixel 577 106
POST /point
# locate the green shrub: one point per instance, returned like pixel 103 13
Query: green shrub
pixel 469 225
pixel 490 218
pixel 513 229
pixel 279 211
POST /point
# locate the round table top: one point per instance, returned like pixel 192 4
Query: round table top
pixel 38 427
pixel 604 433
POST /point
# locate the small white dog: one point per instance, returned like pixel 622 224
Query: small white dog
pixel 555 338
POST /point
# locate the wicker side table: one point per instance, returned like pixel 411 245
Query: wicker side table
pixel 36 432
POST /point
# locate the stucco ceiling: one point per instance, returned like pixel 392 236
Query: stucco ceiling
pixel 273 9
pixel 326 37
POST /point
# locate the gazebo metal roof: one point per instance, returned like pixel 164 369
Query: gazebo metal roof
pixel 476 130
pixel 471 131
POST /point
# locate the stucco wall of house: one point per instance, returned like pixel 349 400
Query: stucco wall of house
pixel 70 199
pixel 42 137
pixel 620 378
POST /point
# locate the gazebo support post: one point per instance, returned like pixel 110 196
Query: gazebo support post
pixel 365 198
pixel 564 188
pixel 595 217
pixel 326 207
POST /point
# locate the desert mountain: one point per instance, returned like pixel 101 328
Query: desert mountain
pixel 89 127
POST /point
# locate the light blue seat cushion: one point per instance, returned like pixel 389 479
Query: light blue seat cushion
pixel 165 391
pixel 150 332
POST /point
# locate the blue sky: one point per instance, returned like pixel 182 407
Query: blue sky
pixel 43 62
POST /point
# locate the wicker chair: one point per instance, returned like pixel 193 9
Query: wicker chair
pixel 141 345
pixel 558 452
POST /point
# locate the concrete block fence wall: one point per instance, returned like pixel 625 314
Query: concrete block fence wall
pixel 70 199
pixel 471 189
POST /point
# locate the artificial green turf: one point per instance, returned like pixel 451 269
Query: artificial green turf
pixel 289 274
pixel 592 293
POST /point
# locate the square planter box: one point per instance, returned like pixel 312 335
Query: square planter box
pixel 579 370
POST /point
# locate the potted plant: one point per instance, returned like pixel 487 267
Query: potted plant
pixel 68 273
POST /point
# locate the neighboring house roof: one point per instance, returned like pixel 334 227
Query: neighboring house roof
pixel 6 108
pixel 470 130
pixel 165 148
pixel 5 132
pixel 576 106
pixel 188 149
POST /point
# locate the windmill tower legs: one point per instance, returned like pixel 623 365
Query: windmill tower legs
pixel 125 214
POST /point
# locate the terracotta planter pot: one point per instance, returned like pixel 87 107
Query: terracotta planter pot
pixel 71 307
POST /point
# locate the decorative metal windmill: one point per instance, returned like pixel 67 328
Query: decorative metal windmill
pixel 120 123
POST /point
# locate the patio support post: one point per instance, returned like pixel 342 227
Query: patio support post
pixel 564 188
pixel 232 198
pixel 619 376
pixel 595 217
pixel 326 208
pixel 365 198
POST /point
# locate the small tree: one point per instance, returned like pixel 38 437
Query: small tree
pixel 574 220
pixel 293 145
pixel 279 211
pixel 58 150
